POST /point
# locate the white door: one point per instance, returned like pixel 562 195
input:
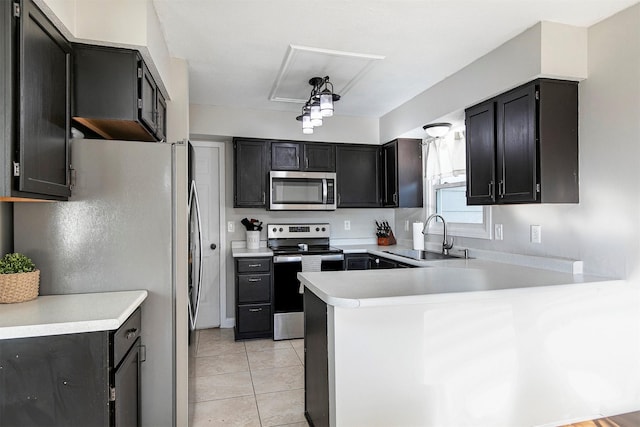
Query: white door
pixel 209 177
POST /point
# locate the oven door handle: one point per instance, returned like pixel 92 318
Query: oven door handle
pixel 281 259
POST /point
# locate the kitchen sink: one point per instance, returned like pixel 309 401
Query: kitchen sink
pixel 422 255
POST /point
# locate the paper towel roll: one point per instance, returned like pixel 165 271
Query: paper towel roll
pixel 418 237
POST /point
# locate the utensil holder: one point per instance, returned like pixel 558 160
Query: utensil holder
pixel 253 239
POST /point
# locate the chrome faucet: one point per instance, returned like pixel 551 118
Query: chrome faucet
pixel 446 245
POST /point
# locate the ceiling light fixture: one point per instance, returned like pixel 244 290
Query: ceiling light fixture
pixel 319 105
pixel 437 130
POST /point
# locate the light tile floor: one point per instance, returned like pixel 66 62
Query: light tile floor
pixel 247 383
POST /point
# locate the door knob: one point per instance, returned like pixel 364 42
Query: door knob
pixel 213 246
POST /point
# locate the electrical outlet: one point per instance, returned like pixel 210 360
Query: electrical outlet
pixel 497 235
pixel 406 225
pixel 231 226
pixel 347 225
pixel 536 234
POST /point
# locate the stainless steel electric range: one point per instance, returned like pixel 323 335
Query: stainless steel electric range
pixel 297 247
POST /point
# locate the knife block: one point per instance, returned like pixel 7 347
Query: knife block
pixel 387 241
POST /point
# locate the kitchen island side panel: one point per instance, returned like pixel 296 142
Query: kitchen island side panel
pixel 547 358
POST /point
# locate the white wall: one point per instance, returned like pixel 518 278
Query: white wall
pixel 229 122
pixel 603 230
pixel 121 23
pixel 546 49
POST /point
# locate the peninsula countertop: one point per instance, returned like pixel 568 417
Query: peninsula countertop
pixel 440 283
pixel 68 314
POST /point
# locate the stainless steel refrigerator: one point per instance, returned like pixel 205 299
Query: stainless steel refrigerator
pixel 125 227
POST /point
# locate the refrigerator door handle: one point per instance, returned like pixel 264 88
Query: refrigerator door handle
pixel 194 205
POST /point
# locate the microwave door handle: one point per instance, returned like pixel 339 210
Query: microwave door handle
pixel 324 191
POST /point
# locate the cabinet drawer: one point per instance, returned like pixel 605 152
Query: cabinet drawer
pixel 254 265
pixel 254 288
pixel 254 318
pixel 126 335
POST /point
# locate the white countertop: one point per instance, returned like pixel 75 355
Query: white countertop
pixel 68 314
pixel 262 251
pixel 443 282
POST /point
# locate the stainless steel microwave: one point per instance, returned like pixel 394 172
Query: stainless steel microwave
pixel 301 191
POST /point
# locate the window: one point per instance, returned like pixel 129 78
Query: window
pixel 445 188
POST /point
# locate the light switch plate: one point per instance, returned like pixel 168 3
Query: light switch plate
pixel 536 234
pixel 347 225
pixel 231 226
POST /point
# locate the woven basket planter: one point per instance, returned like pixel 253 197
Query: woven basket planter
pixel 19 287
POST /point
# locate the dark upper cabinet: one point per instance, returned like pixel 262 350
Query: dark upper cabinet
pixel 34 104
pixel 402 173
pixel 303 156
pixel 535 143
pixel 358 176
pixel 115 96
pixel 251 169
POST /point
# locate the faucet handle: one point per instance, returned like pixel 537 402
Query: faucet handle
pixel 447 245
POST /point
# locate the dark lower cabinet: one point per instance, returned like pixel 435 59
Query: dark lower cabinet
pixel 85 379
pixel 356 261
pixel 254 296
pixel 358 175
pixel 316 361
pixel 379 263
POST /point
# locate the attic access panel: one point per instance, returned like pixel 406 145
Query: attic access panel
pixel 302 63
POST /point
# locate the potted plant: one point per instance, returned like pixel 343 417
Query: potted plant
pixel 19 278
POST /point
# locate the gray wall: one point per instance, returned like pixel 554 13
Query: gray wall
pixel 603 230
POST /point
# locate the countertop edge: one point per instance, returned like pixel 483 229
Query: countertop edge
pixel 51 328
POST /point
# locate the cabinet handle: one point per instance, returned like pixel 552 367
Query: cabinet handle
pixel 395 197
pixel 255 310
pixel 501 188
pixel 491 189
pixel 131 333
pixel 306 163
pixel 338 198
pixel 255 265
pixel 254 279
pixel 263 197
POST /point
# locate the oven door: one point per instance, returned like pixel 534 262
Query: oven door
pixel 288 317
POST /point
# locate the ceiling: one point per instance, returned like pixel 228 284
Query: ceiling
pixel 379 53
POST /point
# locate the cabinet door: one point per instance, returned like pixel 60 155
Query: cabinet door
pixel 319 158
pixel 358 176
pixel 59 380
pixel 516 145
pixel 161 115
pixel 127 389
pixel 409 173
pixel 250 173
pixel 481 153
pixel 356 262
pixel 44 107
pixel 381 263
pixel 147 98
pixel 390 175
pixel 285 156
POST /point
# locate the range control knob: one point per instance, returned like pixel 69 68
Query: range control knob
pixel 275 229
pixel 324 229
pixel 281 230
pixel 317 228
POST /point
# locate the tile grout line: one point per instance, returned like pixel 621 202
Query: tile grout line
pixel 253 387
